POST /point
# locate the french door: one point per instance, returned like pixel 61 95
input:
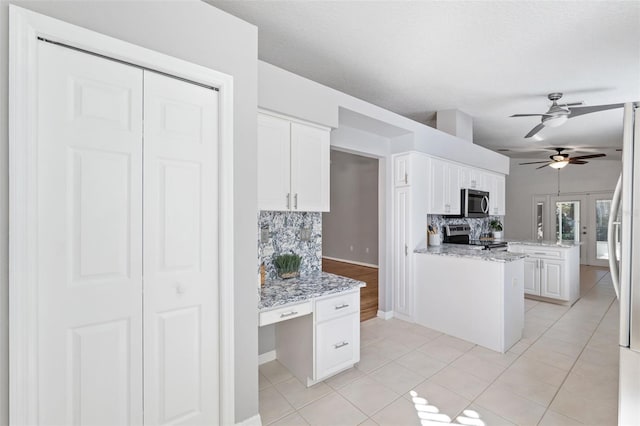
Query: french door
pixel 570 221
pixel 127 291
pixel 599 206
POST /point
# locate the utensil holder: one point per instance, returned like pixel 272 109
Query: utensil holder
pixel 434 239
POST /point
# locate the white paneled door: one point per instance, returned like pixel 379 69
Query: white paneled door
pixel 89 235
pixel 127 244
pixel 180 252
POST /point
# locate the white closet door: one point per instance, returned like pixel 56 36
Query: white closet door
pixel 89 239
pixel 180 252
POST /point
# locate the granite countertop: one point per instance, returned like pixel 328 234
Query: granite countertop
pixel 545 243
pixel 456 250
pixel 275 293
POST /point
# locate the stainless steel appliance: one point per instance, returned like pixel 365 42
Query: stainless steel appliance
pixel 474 203
pixel 626 274
pixel 461 234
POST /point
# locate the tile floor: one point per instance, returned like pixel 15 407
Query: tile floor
pixel 564 371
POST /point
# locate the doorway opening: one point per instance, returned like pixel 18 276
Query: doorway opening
pixel 350 229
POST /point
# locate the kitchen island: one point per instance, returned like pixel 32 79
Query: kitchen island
pixel 551 270
pixel 475 295
pixel 317 323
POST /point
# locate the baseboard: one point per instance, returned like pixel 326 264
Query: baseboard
pixel 251 421
pixel 385 315
pixel 266 357
pixel 368 265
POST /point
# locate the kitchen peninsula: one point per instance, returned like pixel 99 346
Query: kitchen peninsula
pixel 475 295
pixel 317 323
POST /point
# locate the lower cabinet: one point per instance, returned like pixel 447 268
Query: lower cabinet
pixel 551 272
pixel 318 343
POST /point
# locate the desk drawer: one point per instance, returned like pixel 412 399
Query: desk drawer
pixel 285 313
pixel 338 305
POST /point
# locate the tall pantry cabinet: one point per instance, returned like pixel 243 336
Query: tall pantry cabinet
pixel 410 180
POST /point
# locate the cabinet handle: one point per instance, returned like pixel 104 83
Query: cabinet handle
pixel 288 314
pixel 288 200
pixel 473 183
pixel 541 253
pixel 295 201
pixel 344 305
pixel 406 178
pixel 406 250
pixel 341 344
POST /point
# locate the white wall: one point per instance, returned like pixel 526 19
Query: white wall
pixel 350 229
pixel 198 33
pixel 525 181
pixel 282 91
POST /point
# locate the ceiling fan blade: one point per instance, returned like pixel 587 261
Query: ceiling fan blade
pixel 575 112
pixel 577 162
pixel 542 167
pixel 584 157
pixel 570 104
pixel 534 162
pixel 528 115
pixel 535 130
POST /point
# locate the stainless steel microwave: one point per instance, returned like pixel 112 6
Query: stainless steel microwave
pixel 474 203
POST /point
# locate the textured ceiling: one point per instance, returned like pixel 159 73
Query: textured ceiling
pixel 489 59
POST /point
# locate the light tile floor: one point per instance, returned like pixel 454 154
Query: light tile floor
pixel 564 371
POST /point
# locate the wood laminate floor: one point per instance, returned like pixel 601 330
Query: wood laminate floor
pixel 368 294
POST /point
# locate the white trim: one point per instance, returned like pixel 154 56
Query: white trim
pixel 385 315
pixel 368 265
pixel 292 119
pixel 251 421
pixel 267 357
pixel 25 27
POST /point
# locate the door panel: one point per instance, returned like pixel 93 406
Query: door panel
pixel 551 279
pixel 401 275
pixel 89 239
pixel 274 163
pixel 180 239
pixel 531 276
pixel 309 168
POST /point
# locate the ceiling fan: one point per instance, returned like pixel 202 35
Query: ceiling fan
pixel 560 160
pixel 558 114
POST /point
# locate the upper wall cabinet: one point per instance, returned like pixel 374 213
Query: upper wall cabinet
pixel 293 165
pixel 496 187
pixel 444 184
pixel 401 170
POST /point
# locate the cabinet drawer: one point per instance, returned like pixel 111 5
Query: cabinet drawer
pixel 538 251
pixel 335 306
pixel 285 313
pixel 337 345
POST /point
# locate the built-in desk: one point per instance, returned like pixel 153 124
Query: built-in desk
pixel 317 323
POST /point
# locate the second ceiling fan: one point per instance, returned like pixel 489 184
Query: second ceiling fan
pixel 560 160
pixel 559 113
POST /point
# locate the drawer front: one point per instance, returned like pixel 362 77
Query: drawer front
pixel 550 253
pixel 337 345
pixel 336 306
pixel 285 313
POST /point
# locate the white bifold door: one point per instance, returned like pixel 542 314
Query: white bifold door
pixel 127 318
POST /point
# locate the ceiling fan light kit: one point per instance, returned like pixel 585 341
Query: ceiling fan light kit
pixel 560 160
pixel 558 114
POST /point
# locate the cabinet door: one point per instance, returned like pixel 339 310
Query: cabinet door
pixel 452 206
pixel 401 170
pixel 309 168
pixel 274 157
pixel 531 276
pixel 437 185
pixel 401 265
pixel 337 345
pixel 551 284
pixel 496 195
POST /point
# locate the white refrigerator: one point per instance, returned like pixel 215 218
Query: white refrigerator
pixel 626 273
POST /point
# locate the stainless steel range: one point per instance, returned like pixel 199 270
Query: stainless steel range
pixel 460 234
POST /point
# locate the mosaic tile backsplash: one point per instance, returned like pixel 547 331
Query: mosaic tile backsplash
pixel 478 225
pixel 287 232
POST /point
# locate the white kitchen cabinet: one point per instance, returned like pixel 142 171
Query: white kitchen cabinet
pixel 472 178
pixel 293 165
pixel 401 170
pixel 317 346
pixel 444 184
pixel 410 210
pixel 495 185
pixel 551 272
